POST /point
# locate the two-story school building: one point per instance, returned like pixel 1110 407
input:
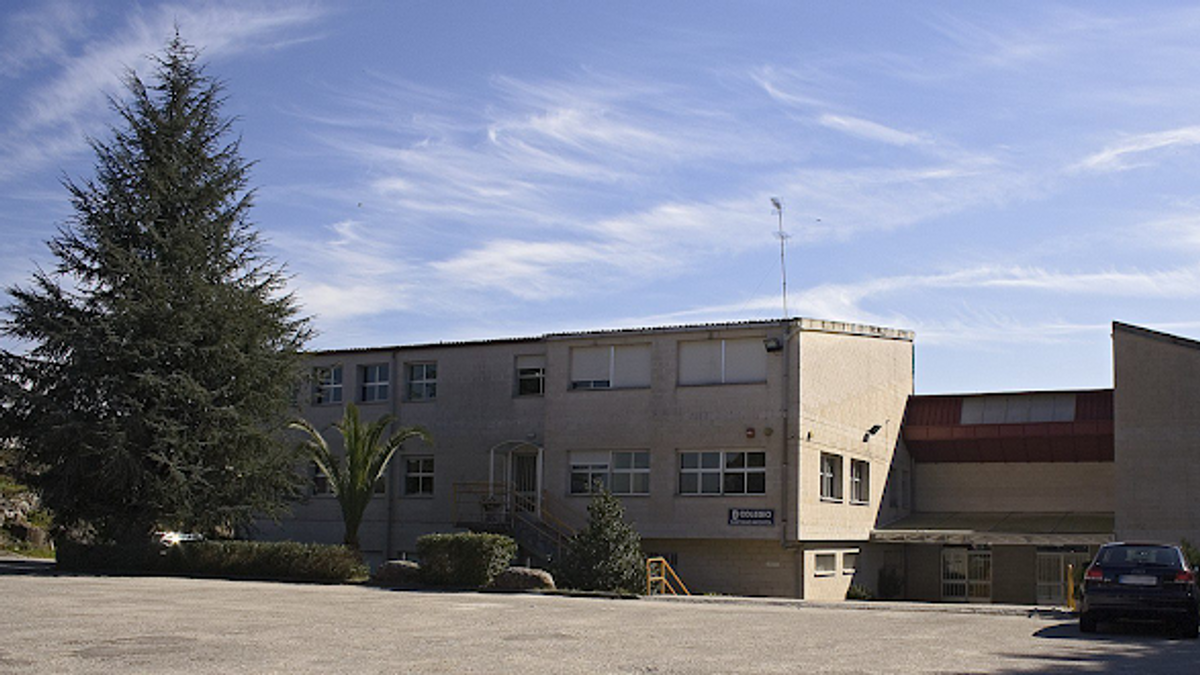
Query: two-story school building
pixel 786 458
pixel 755 456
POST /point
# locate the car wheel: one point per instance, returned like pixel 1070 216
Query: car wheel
pixel 1087 622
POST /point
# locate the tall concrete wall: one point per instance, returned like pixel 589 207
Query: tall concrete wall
pixel 667 419
pixel 732 567
pixel 1019 487
pixel 474 409
pixel 1157 435
pixel 848 384
pixel 823 387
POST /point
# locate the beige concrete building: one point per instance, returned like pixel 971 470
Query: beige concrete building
pixel 754 456
pixel 1157 412
pixel 1009 490
pixel 784 458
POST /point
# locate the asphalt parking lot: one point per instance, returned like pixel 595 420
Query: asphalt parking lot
pixel 86 624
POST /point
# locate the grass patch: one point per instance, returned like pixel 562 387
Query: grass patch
pixel 28 550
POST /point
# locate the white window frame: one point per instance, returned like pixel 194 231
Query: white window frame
pixel 321 487
pixel 606 384
pixel 724 375
pixel 424 475
pixel 721 470
pixel 831 569
pixel 831 477
pixel 531 374
pixel 424 387
pixel 633 471
pixel 374 390
pixel 607 470
pixel 860 485
pixel 327 384
pixel 849 567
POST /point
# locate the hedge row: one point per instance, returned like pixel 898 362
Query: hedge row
pixel 283 560
pixel 466 559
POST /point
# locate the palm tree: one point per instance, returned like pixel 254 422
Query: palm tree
pixel 353 475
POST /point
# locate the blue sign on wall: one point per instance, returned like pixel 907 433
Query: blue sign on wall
pixel 751 516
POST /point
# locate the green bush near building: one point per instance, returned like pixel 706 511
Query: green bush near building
pixel 607 554
pixel 264 560
pixel 465 560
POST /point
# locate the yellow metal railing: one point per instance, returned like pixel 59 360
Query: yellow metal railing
pixel 659 576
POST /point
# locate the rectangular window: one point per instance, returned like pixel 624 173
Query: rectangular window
pixel 418 476
pixel 849 562
pixel 327 385
pixel 831 477
pixel 374 379
pixel 531 375
pixel 422 381
pixel 610 367
pixel 722 361
pixel 860 481
pixel 621 472
pixel 825 564
pixel 722 472
pixel 320 482
pixel 630 473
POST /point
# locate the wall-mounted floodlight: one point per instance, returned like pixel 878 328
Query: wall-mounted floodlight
pixel 871 432
pixel 773 344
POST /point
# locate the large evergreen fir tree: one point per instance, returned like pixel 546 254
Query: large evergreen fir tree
pixel 163 347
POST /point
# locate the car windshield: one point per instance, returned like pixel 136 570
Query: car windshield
pixel 1146 556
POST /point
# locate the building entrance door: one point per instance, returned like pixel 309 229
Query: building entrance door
pixel 966 575
pixel 1052 574
pixel 525 481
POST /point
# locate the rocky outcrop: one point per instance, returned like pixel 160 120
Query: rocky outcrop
pixel 17 510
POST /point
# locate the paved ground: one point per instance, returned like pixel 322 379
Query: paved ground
pixel 82 624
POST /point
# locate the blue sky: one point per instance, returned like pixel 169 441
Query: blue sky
pixel 1005 179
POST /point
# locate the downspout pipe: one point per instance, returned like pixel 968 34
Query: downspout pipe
pixel 390 491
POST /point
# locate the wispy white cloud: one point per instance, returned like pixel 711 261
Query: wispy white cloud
pixel 54 118
pixel 351 274
pixel 869 130
pixel 794 87
pixel 1124 154
pixel 962 324
pixel 41 34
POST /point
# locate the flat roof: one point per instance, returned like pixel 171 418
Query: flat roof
pixel 795 323
pixel 1000 527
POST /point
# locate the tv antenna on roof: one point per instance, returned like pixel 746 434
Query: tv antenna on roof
pixel 783 237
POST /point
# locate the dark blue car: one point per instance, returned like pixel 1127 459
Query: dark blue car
pixel 1140 581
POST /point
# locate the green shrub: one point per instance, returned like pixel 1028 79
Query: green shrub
pixel 607 554
pixel 275 560
pixel 1190 552
pixel 858 592
pixel 464 559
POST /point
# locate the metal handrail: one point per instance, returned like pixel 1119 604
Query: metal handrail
pixel 486 503
pixel 658 583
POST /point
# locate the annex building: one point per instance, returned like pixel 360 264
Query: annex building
pixel 782 458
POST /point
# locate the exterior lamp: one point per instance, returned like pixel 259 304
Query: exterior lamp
pixel 871 432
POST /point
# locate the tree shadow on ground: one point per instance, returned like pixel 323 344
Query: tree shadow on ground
pixel 1118 647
